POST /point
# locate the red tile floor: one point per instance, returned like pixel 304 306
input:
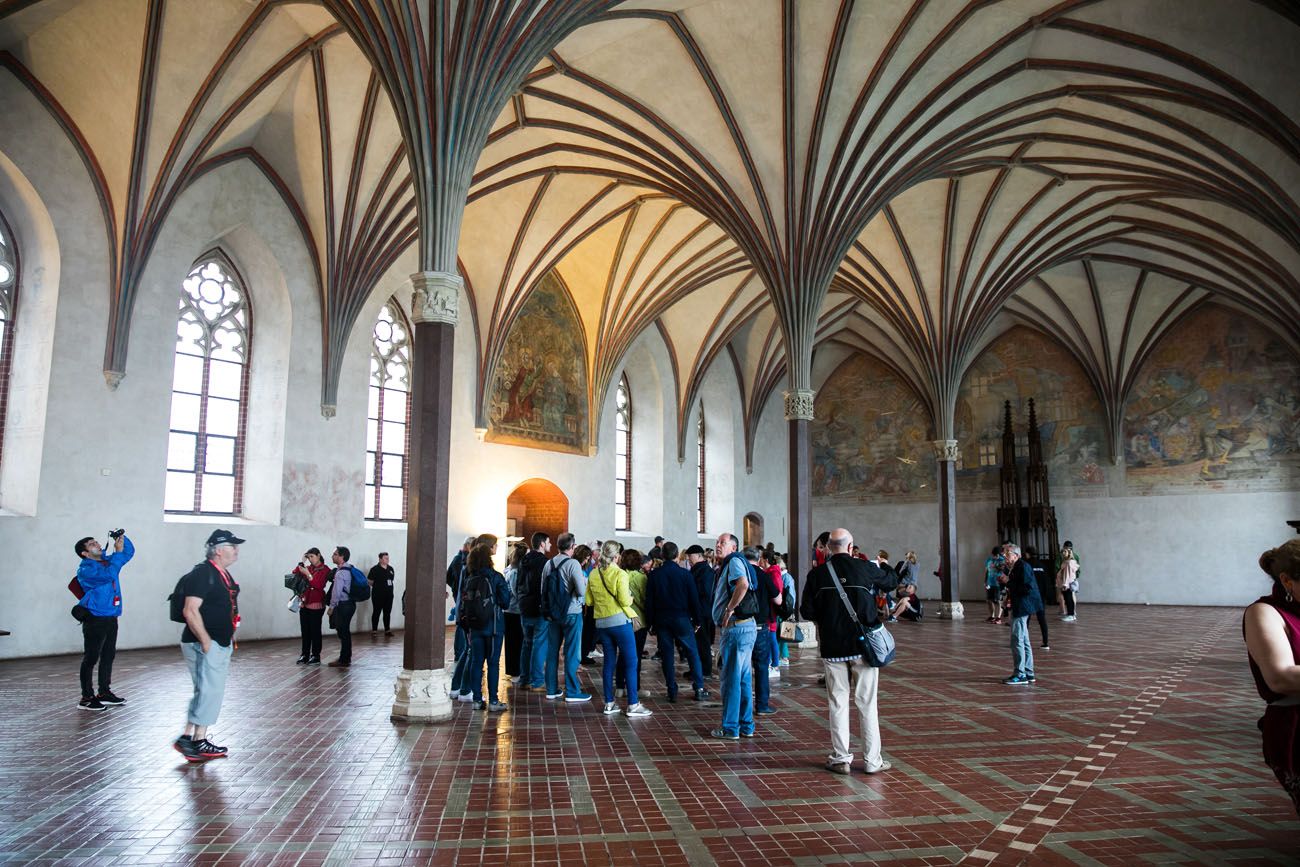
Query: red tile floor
pixel 1137 745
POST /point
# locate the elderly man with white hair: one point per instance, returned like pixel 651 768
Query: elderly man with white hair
pixel 211 614
pixel 839 582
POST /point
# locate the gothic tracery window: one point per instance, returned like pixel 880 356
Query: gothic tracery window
pixel 8 306
pixel 623 456
pixel 388 418
pixel 700 492
pixel 205 448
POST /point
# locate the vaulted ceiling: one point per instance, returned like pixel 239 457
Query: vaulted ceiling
pixel 750 178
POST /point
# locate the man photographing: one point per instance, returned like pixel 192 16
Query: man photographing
pixel 98 577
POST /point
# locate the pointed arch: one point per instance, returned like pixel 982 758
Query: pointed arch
pixel 209 408
pixel 388 415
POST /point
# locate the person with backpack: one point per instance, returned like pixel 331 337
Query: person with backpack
pixel 609 594
pixel 101 598
pixel 532 652
pixel 206 600
pixel 350 587
pixel 484 598
pixel 564 586
pixel 734 608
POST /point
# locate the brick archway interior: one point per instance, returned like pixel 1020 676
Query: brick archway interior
pixel 537 505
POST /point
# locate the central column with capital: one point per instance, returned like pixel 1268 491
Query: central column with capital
pixel 423 687
pixel 946 453
pixel 799 415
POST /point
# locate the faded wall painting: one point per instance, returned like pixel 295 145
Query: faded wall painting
pixel 1024 364
pixel 1216 406
pixel 870 439
pixel 539 392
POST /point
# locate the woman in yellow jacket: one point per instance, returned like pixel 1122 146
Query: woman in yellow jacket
pixel 610 598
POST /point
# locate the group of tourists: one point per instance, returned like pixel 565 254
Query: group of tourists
pixel 685 598
pixel 557 599
pixel 331 593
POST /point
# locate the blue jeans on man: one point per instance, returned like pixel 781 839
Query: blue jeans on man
pixel 1022 651
pixel 532 654
pixel 737 698
pixel 483 647
pixel 568 631
pixel 761 658
pixel 677 630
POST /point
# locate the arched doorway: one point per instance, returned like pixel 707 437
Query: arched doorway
pixel 753 529
pixel 536 505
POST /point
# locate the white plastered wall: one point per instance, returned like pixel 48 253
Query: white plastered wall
pixel 104 452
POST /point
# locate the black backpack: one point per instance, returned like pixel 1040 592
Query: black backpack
pixel 748 605
pixel 529 584
pixel 176 601
pixel 476 608
pixel 556 593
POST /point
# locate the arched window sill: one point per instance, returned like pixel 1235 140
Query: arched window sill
pixel 384 525
pixel 214 520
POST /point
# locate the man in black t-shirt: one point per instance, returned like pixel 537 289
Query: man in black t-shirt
pixel 211 616
pixel 381 594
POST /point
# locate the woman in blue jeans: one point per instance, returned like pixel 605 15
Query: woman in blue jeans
pixel 610 596
pixel 484 641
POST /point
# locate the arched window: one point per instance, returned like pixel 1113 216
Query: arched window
pixel 388 418
pixel 205 450
pixel 623 456
pixel 699 481
pixel 8 307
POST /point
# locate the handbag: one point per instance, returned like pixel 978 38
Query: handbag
pixel 295 582
pixel 294 603
pixel 791 632
pixel 877 645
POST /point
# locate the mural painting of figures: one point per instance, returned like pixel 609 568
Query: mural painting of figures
pixel 1217 404
pixel 870 437
pixel 539 389
pixel 1020 365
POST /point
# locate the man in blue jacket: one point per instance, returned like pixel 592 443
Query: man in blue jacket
pixel 1025 600
pixel 98 577
pixel 672 610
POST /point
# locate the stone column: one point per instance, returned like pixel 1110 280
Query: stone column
pixel 422 689
pixel 799 414
pixel 946 452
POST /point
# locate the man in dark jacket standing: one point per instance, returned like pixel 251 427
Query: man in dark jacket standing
pixel 672 610
pixel 532 653
pixel 1023 590
pixel 705 577
pixel 841 651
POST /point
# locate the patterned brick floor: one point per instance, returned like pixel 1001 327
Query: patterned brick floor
pixel 1137 745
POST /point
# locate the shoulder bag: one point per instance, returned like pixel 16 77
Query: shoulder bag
pixel 877 645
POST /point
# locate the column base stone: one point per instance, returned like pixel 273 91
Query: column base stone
pixel 951 611
pixel 422 696
pixel 809 634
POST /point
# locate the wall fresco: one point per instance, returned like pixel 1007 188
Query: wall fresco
pixel 870 439
pixel 1024 364
pixel 539 393
pixel 1216 406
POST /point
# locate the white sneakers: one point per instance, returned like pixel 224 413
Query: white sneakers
pixel 639 709
pixel 610 708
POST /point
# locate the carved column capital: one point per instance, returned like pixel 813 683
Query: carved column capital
pixel 946 450
pixel 436 297
pixel 799 404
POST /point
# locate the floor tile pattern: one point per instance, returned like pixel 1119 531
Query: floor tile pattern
pixel 1137 745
